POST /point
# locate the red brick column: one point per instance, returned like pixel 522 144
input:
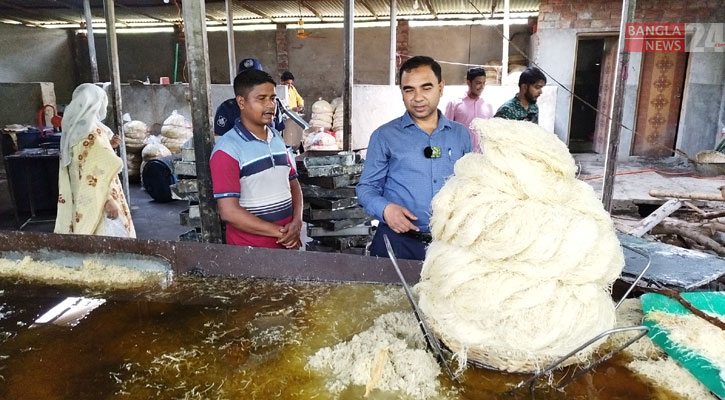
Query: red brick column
pixel 402 41
pixel 282 50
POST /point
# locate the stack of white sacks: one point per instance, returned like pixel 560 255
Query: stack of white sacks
pixel 337 117
pixel 135 133
pixel 319 136
pixel 175 132
pixel 322 115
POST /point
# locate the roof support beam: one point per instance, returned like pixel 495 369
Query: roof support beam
pixel 372 10
pixel 431 9
pixel 65 4
pixel 312 9
pixel 254 10
pixel 135 11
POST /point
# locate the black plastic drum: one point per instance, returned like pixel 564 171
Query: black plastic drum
pixel 157 176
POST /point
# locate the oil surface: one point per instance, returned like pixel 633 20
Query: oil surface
pixel 221 338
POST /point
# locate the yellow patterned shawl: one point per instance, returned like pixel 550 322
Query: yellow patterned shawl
pixel 87 183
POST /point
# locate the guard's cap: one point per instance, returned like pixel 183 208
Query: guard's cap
pixel 249 63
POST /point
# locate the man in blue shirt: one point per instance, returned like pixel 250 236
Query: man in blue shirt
pixel 228 112
pixel 408 161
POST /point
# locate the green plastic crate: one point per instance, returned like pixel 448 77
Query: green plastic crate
pixel 700 367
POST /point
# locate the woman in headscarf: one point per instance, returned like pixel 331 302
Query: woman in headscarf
pixel 90 198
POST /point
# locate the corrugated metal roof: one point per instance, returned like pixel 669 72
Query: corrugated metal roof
pixel 60 12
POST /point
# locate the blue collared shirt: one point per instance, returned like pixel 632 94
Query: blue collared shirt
pixel 397 171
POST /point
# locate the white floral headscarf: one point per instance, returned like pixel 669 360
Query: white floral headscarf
pixel 84 114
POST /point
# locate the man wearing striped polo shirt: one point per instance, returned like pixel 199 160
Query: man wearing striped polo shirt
pixel 253 174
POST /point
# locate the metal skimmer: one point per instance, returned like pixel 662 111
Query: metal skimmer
pixel 429 337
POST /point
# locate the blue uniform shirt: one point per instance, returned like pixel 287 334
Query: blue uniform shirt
pixel 228 112
pixel 397 171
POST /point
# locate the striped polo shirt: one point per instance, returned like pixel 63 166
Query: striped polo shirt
pixel 257 172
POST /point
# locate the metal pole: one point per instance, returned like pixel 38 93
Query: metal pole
pixel 348 72
pixel 91 40
pixel 230 42
pixel 110 13
pixel 197 61
pixel 393 41
pixel 615 124
pixel 506 36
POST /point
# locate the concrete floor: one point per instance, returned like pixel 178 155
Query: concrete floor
pixel 636 177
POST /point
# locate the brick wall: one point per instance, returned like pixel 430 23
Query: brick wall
pixel 606 14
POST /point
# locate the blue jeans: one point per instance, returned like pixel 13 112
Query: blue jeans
pixel 404 247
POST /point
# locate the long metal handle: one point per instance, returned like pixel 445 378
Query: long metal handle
pixel 293 115
pixel 639 277
pixel 531 381
pixel 429 338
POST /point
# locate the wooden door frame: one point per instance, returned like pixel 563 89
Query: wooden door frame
pixel 579 35
pixel 685 90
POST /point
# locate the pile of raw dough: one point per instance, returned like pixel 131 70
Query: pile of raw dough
pixel 523 258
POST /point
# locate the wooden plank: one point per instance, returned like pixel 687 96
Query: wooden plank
pixel 656 217
pixel 331 182
pixel 331 204
pixel 714 214
pixel 197 63
pixel 339 193
pixel 338 224
pixel 695 208
pixel 315 231
pixel 691 195
pixel 312 214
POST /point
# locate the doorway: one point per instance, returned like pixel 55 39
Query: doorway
pixel 587 81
